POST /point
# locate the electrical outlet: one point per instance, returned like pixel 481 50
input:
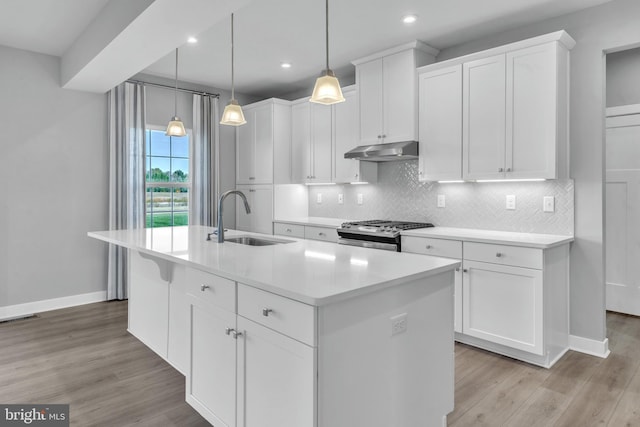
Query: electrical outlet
pixel 360 199
pixel 441 200
pixel 511 202
pixel 340 199
pixel 319 198
pixel 399 324
pixel 548 204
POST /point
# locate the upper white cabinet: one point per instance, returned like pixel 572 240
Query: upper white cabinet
pixel 502 112
pixel 311 134
pixel 440 124
pixel 387 97
pixel 263 143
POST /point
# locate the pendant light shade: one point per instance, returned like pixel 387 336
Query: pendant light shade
pixel 232 114
pixel 175 126
pixel 327 89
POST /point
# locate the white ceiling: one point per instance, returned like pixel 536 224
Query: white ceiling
pixel 268 32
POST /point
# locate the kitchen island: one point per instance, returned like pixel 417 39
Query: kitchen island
pixel 298 333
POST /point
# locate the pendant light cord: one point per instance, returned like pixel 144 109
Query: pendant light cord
pixel 327 30
pixel 232 60
pixel 175 93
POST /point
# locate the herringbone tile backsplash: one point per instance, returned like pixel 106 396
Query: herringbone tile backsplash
pixel 399 195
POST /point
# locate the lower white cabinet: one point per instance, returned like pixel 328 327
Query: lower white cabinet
pixel 512 300
pixel 310 232
pixel 260 198
pixel 503 304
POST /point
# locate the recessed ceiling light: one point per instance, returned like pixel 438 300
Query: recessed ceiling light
pixel 285 64
pixel 192 40
pixel 409 19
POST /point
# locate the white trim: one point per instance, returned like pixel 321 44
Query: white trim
pixel 589 346
pixel 623 110
pixel 416 44
pixel 27 309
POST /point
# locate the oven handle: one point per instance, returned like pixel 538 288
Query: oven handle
pixel 368 244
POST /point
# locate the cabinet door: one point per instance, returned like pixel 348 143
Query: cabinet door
pixel 457 301
pixel 300 142
pixel 260 220
pixel 399 106
pixel 245 149
pixel 276 379
pixel 370 99
pixel 263 143
pixel 440 124
pixel 483 118
pixel 532 92
pixel 149 301
pixel 503 304
pixel 211 379
pixel 321 133
pixel 345 126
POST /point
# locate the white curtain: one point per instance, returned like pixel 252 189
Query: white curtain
pixel 205 161
pixel 126 105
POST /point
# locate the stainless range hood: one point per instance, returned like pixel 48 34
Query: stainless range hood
pixel 406 150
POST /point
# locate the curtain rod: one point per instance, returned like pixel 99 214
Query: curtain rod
pixel 199 92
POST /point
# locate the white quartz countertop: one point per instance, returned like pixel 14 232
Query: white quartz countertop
pixel 532 240
pixel 308 271
pixel 315 221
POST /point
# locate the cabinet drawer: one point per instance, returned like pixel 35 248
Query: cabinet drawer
pixel 285 229
pixel 213 289
pixel 289 317
pixel 326 234
pixel 501 254
pixel 429 246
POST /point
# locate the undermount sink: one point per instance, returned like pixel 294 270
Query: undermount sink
pixel 255 241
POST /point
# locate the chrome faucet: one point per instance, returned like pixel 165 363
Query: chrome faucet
pixel 220 200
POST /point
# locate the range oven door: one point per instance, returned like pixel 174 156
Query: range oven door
pixel 369 244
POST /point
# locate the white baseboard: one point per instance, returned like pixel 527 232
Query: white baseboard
pixel 589 346
pixel 21 310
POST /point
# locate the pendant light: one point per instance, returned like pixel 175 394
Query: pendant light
pixel 327 89
pixel 232 114
pixel 175 126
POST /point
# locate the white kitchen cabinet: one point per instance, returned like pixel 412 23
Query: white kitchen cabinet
pixel 260 198
pixel 311 136
pixel 440 124
pixel 345 138
pixel 310 232
pixel 387 93
pixel 263 143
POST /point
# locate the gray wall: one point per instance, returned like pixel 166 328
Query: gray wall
pixel 53 164
pixel 623 78
pixel 399 195
pixel 604 28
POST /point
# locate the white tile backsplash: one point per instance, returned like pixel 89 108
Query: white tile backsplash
pixel 399 195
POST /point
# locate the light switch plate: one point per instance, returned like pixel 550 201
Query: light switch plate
pixel 511 202
pixel 360 199
pixel 441 200
pixel 340 198
pixel 548 204
pixel 319 198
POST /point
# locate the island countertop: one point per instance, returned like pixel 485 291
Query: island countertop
pixel 312 272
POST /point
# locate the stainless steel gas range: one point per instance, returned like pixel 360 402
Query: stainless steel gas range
pixel 377 234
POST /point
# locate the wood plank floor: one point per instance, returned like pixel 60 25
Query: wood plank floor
pixel 85 357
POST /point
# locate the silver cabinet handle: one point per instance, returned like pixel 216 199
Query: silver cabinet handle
pixel 321 234
pixel 458 269
pixel 356 176
pixel 428 246
pixel 384 136
pixel 235 334
pixel 252 191
pixel 204 287
pixel 500 170
pixel 379 136
pixel 288 230
pixel 266 311
pixel 464 270
pixel 252 178
pixel 498 254
pixel 229 330
pixel 508 169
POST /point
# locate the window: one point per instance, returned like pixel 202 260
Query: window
pixel 167 180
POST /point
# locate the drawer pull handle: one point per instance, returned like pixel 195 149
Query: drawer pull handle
pixel 288 230
pixel 252 178
pixel 464 270
pixel 321 234
pixel 428 246
pixel 498 255
pixel 229 330
pixel 266 311
pixel 458 269
pixel 204 287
